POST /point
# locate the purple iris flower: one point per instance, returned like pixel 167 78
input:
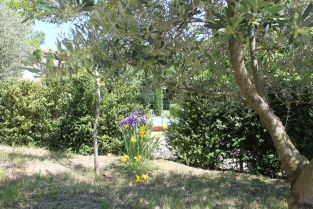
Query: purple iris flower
pixel 122 123
pixel 133 119
pixel 137 113
pixel 143 118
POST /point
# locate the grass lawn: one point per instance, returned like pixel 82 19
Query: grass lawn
pixel 37 178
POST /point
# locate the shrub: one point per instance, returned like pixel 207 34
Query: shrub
pixel 210 130
pixel 296 112
pixel 117 102
pixel 174 110
pixel 74 125
pixel 24 118
pixel 59 115
pixel 200 137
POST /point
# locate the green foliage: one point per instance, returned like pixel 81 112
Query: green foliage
pixel 75 111
pixel 174 110
pixel 14 47
pixel 295 108
pixel 210 130
pixel 37 55
pixel 60 115
pixel 50 60
pixel 166 33
pixel 36 39
pixel 158 101
pixel 75 124
pixel 199 137
pixel 23 113
pixel 117 101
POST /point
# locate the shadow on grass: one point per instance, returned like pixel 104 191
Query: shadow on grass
pixel 163 191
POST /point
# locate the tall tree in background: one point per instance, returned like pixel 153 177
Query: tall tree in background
pixel 14 41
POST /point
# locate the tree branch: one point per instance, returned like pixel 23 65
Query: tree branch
pixel 258 81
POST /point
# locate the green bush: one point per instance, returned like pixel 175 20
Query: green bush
pixel 174 110
pixel 24 118
pixel 201 135
pixel 75 122
pixel 296 112
pixel 117 102
pixel 59 115
pixel 209 130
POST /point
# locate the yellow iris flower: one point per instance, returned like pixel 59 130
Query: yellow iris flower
pixel 133 139
pixel 124 158
pixel 141 132
pixel 138 179
pixel 138 158
pixel 145 178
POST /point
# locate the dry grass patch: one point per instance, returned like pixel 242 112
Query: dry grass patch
pixel 37 178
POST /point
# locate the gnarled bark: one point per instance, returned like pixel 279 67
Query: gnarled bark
pixel 297 167
pixel 301 193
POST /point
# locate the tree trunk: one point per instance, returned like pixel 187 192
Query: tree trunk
pixel 297 167
pixel 301 193
pixel 96 123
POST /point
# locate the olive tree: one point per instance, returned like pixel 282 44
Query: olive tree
pixel 14 41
